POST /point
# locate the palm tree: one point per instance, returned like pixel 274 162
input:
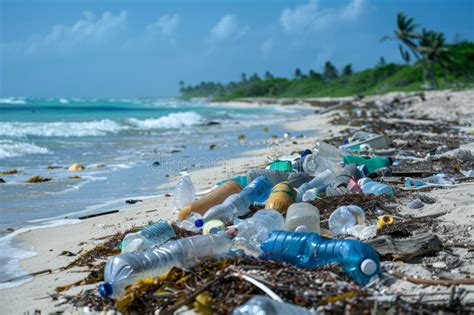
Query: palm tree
pixel 405 33
pixel 297 73
pixel 432 47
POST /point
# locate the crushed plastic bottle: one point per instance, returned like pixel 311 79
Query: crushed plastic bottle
pixel 345 217
pixel 302 216
pixel 375 188
pixel 324 157
pixel 263 305
pixel 215 197
pixel 363 232
pixel 194 222
pixel 308 250
pixel 319 181
pixel 152 235
pixel 253 231
pixel 123 270
pixel 184 192
pixel 238 204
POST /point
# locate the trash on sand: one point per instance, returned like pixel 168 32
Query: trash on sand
pixel 263 305
pixel 302 216
pixel 363 140
pixel 345 217
pixel 76 167
pixel 281 197
pixel 152 235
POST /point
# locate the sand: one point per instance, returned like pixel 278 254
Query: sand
pixel 49 243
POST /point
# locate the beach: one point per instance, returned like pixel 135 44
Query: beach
pixel 44 245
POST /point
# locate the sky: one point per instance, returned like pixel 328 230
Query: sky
pixel 140 48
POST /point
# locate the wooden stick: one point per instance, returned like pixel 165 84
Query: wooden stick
pixel 29 274
pixel 97 214
pixel 432 281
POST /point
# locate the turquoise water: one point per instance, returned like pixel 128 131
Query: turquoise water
pixel 142 142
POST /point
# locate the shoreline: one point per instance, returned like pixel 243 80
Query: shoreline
pixel 48 243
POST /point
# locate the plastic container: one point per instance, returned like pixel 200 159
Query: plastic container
pixel 152 235
pixel 263 305
pixel 215 197
pixel 275 177
pixel 324 157
pixel 345 217
pixel 238 204
pixel 308 250
pixel 302 216
pixel 123 270
pixel 184 192
pixel 242 180
pixel 281 197
pixel 253 231
pixel 372 164
pixel 282 166
pixel 375 188
pixel 319 181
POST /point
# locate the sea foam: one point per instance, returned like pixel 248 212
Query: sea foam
pixel 171 121
pixel 9 149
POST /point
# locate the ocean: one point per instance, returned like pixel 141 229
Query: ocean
pixel 129 147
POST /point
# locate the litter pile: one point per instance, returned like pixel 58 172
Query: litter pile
pixel 315 231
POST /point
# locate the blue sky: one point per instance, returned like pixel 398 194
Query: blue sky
pixel 114 48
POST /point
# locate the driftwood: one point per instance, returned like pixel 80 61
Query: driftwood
pixel 406 248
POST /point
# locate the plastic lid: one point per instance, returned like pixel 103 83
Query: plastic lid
pixel 199 223
pixel 368 267
pixel 105 289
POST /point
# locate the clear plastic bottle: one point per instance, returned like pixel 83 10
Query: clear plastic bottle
pixel 319 181
pixel 274 176
pixel 298 179
pixel 152 235
pixel 302 216
pixel 324 157
pixel 193 222
pixel 375 188
pixel 308 250
pixel 263 305
pixel 238 204
pixel 255 230
pixel 184 192
pixel 123 270
pixel 345 217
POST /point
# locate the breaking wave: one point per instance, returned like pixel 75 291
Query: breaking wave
pixel 9 149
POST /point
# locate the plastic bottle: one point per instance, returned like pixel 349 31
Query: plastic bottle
pixel 184 192
pixel 123 270
pixel 345 217
pixel 372 164
pixel 313 193
pixel 152 235
pixel 238 204
pixel 324 157
pixel 193 222
pixel 302 216
pixel 308 250
pixel 274 176
pixel 215 197
pixel 375 188
pixel 253 231
pixel 319 181
pixel 343 177
pixel 263 305
pixel 298 179
pixel 213 227
pixel 281 197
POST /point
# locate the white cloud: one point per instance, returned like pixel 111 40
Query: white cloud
pixel 89 30
pixel 227 27
pixel 267 47
pixel 311 17
pixel 166 25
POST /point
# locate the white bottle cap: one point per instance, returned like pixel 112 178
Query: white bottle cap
pixel 301 228
pixel 368 267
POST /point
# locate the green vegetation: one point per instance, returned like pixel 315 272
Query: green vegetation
pixel 437 65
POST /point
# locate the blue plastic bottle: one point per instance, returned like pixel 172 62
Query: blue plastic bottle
pixel 308 250
pixel 375 188
pixel 238 204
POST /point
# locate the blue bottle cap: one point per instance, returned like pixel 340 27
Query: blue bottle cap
pixel 199 223
pixel 105 289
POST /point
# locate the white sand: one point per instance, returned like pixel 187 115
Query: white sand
pixel 48 243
